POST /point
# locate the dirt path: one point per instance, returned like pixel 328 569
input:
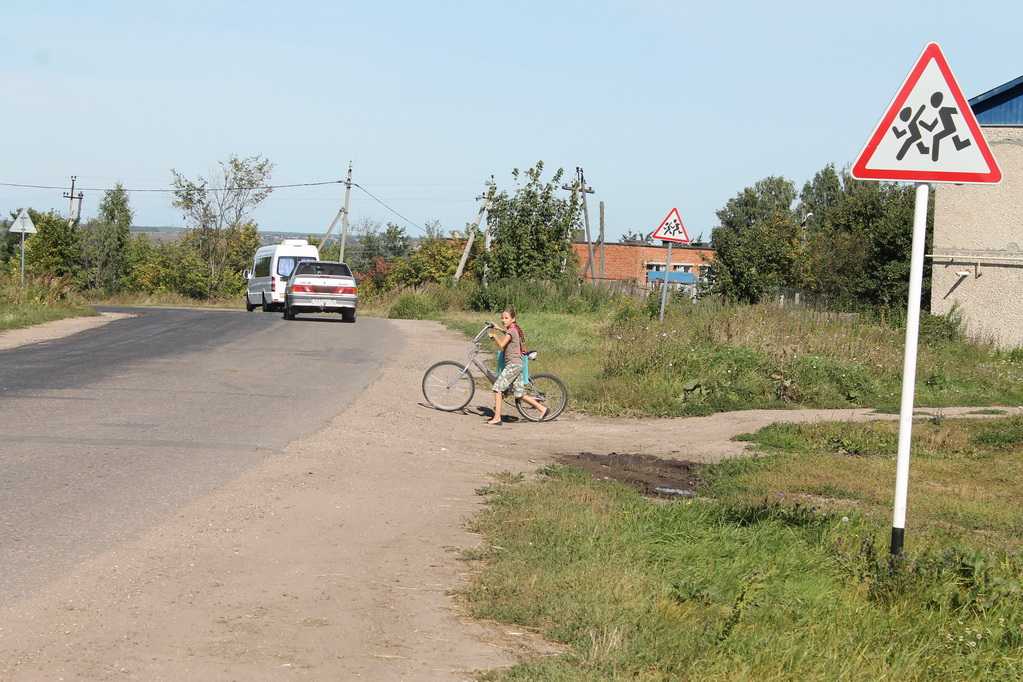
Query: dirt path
pixel 48 331
pixel 335 560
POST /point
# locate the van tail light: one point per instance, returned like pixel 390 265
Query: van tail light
pixel 273 284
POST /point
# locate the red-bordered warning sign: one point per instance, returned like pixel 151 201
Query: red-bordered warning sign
pixel 671 229
pixel 928 133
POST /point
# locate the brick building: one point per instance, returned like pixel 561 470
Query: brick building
pixel 644 264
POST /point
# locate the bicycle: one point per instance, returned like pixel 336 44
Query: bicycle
pixel 449 385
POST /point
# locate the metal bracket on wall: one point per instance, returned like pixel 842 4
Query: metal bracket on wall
pixel 975 261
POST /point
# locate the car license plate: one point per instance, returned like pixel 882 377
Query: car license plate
pixel 321 302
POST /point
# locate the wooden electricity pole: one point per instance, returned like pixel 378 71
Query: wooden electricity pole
pixel 73 215
pixel 580 186
pixel 470 232
pixel 344 218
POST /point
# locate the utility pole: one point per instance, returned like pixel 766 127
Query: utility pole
pixel 603 272
pixel 72 215
pixel 580 186
pixel 342 215
pixel 344 218
pixel 470 233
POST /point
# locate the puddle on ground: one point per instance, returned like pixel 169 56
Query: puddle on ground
pixel 652 476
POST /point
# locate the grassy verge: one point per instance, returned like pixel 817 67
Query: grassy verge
pixel 39 300
pixel 170 300
pixel 19 315
pixel 707 357
pixel 779 569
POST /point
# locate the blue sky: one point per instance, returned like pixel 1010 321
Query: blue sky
pixel 663 104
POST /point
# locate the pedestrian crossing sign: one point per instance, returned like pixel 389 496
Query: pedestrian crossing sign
pixel 928 133
pixel 671 229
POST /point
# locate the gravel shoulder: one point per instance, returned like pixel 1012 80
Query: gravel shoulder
pixel 337 559
pixel 57 329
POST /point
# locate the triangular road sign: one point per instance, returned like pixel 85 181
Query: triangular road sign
pixel 928 133
pixel 671 229
pixel 23 223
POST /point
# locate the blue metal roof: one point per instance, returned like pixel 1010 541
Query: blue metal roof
pixel 1001 106
pixel 676 277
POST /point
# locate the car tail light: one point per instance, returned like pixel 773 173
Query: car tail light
pixel 322 289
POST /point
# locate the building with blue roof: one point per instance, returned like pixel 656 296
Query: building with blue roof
pixel 977 252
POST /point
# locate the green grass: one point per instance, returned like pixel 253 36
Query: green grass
pixel 18 315
pixel 778 571
pixel 170 300
pixel 709 358
pixel 39 300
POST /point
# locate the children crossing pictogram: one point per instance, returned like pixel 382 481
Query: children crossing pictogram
pixel 929 132
pixel 672 229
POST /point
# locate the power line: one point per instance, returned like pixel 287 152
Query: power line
pixel 170 189
pixel 381 202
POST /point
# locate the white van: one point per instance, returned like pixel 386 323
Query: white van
pixel 271 268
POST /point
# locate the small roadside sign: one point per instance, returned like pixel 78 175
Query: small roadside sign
pixel 23 224
pixel 929 132
pixel 672 229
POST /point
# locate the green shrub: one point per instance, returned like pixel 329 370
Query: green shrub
pixel 414 305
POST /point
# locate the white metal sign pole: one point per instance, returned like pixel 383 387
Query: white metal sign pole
pixel 916 273
pixel 664 286
pixel 23 258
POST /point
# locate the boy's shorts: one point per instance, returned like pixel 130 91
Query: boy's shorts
pixel 511 376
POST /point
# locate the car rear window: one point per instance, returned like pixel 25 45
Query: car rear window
pixel 286 264
pixel 324 269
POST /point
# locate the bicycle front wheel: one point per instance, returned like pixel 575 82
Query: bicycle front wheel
pixel 448 386
pixel 547 390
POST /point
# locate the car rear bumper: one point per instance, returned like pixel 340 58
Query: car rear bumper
pixel 323 302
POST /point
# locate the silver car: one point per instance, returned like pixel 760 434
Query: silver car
pixel 321 287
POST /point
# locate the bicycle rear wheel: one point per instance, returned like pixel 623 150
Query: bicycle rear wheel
pixel 547 390
pixel 448 386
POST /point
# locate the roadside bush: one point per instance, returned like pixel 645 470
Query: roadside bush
pixel 414 305
pixel 939 328
pixel 42 290
pixel 543 297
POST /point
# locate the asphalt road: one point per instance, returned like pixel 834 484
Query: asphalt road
pixel 105 433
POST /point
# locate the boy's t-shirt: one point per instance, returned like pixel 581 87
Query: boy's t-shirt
pixel 513 351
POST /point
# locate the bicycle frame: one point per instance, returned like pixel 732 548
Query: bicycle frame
pixel 473 357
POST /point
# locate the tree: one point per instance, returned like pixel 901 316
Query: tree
pixel 757 242
pixel 859 239
pixel 637 237
pixel 212 209
pixel 56 249
pixel 434 261
pixel 105 239
pixel 395 241
pixel 531 228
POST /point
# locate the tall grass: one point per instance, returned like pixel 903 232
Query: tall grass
pixel 709 356
pixel 41 299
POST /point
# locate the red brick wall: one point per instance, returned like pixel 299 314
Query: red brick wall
pixel 628 261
